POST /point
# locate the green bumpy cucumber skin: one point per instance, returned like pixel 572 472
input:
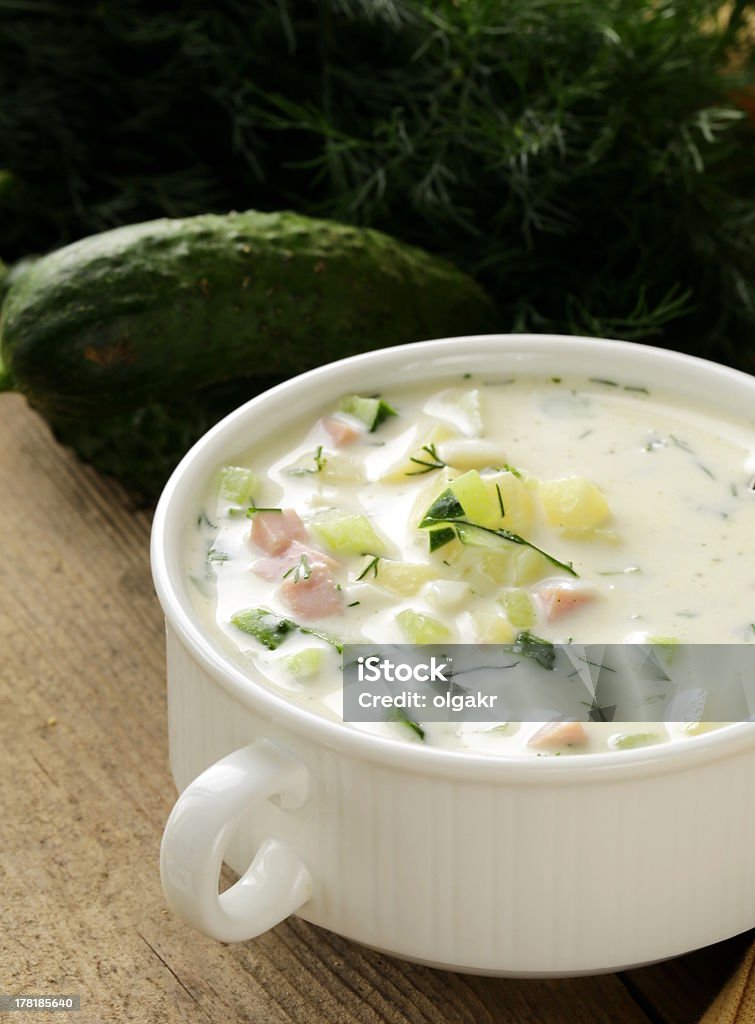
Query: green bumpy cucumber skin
pixel 164 308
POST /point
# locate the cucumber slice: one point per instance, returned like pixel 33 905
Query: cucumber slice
pixel 479 502
pixel 236 484
pixel 632 740
pixel 421 629
pixel 306 663
pixel 371 411
pixel 519 608
pixel 264 626
pixel 347 533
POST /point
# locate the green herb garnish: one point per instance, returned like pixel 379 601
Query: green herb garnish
pixel 372 566
pixel 320 462
pixel 500 500
pixel 447 511
pixel 434 461
pixel 301 571
pixel 253 509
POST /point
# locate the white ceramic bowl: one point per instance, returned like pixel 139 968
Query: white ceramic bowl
pixel 519 866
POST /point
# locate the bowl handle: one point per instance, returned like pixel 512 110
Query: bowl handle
pixel 199 829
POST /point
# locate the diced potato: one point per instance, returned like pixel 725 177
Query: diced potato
pixel 573 504
pixel 519 608
pixel 402 577
pixel 447 594
pixel 517 501
pixel 347 533
pixel 471 454
pixel 325 466
pixel 491 628
pixel 306 663
pixel 236 484
pixel 421 629
pixel 339 466
pixel 461 407
pixel 480 502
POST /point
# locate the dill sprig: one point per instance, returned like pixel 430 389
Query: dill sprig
pixel 588 161
pixel 433 461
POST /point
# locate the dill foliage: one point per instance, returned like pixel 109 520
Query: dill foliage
pixel 587 160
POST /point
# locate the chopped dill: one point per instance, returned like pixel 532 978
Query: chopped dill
pixel 433 462
pixel 372 566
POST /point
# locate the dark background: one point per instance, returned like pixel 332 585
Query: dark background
pixel 590 161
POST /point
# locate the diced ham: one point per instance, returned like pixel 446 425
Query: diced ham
pixel 341 432
pixel 313 598
pixel 559 600
pixel 554 735
pixel 274 567
pixel 274 532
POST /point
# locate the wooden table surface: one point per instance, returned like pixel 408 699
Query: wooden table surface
pixel 85 789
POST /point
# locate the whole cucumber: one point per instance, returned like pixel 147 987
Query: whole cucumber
pixel 144 313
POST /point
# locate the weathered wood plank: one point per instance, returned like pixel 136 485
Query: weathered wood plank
pixel 85 789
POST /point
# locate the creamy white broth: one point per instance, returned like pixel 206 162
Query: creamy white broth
pixel 672 558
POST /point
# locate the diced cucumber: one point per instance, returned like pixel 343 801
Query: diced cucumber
pixel 491 628
pixel 371 411
pixel 573 505
pixel 264 625
pixel 667 646
pixel 347 533
pixel 480 502
pixel 516 567
pixel 421 629
pixel 236 484
pixel 631 740
pixel 519 608
pixel 306 663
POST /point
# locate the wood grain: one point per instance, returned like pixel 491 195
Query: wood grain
pixel 85 789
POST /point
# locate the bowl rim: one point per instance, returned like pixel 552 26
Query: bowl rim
pixel 415 757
